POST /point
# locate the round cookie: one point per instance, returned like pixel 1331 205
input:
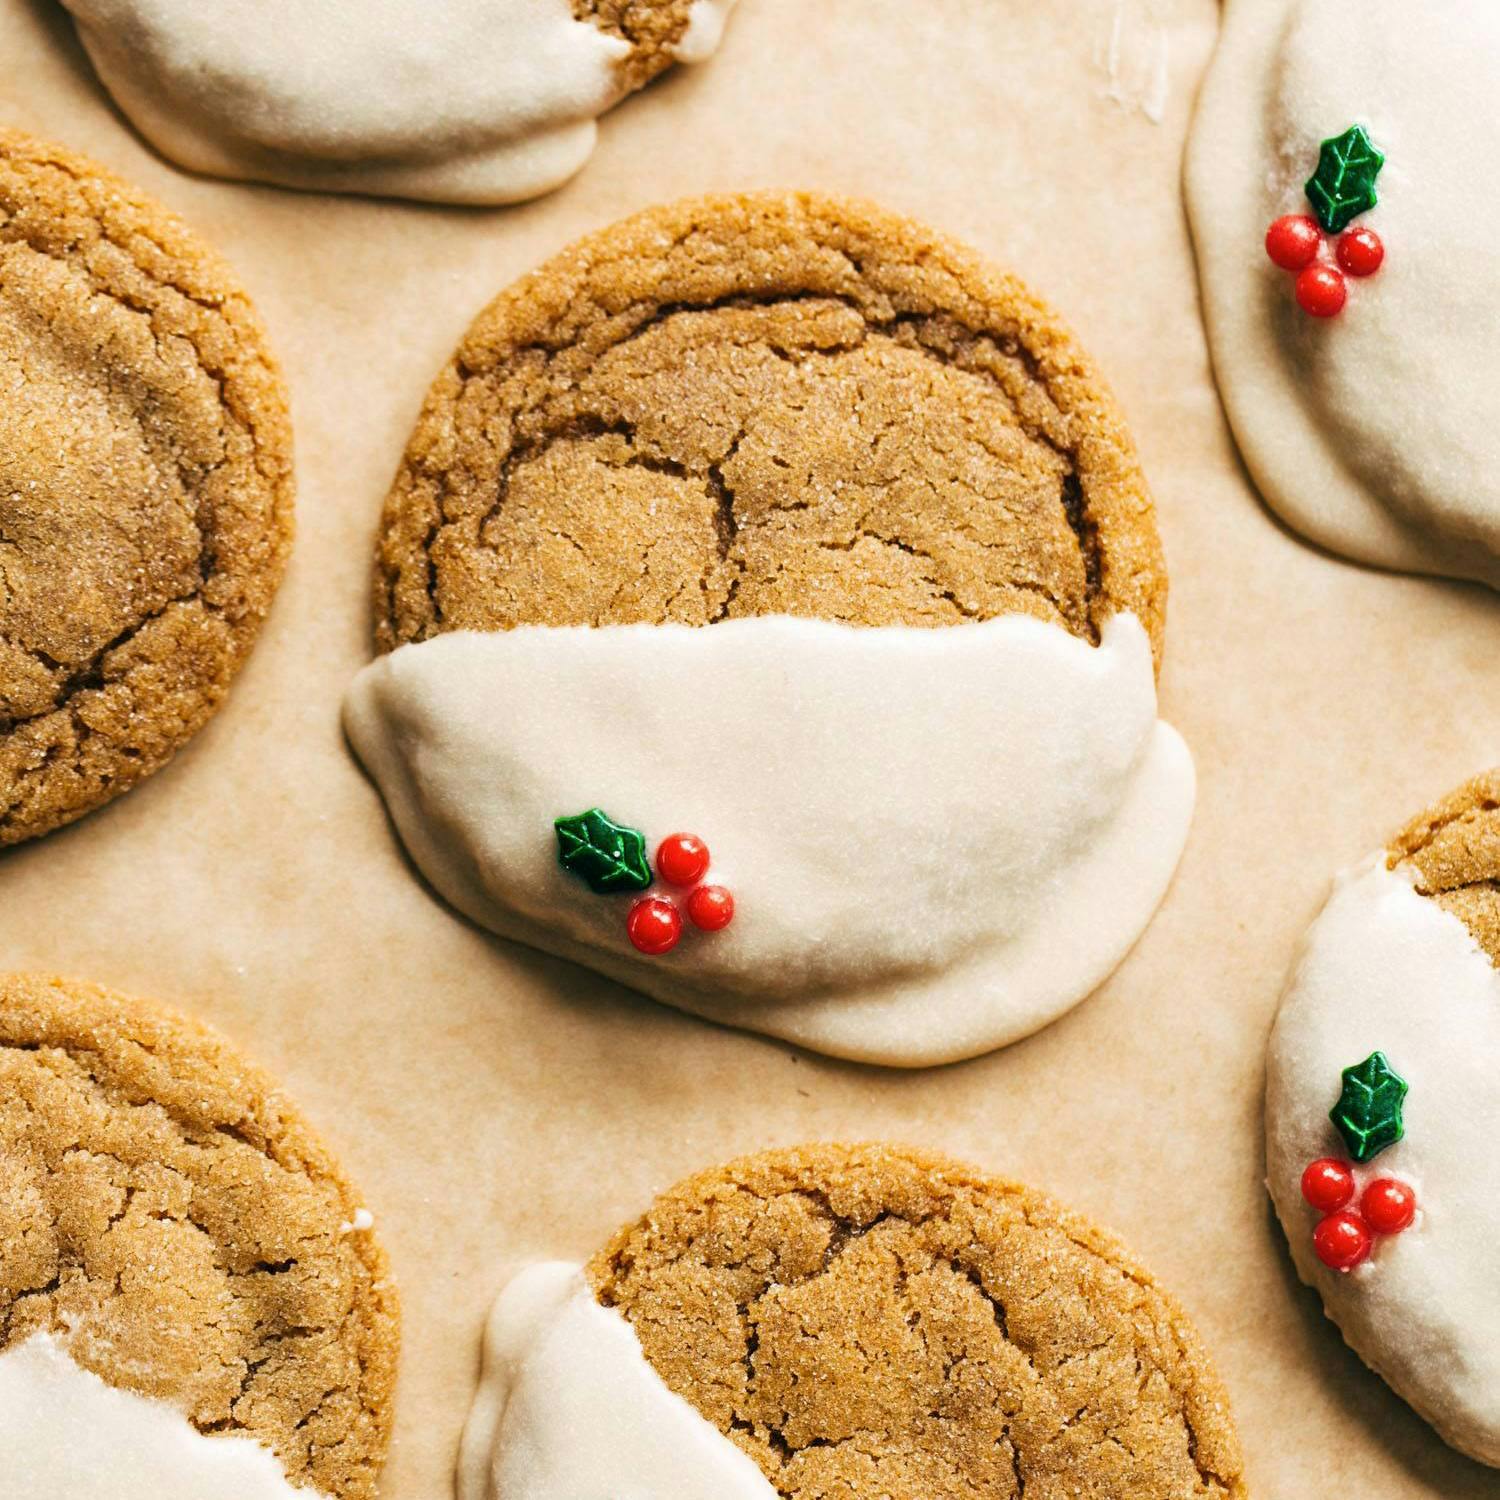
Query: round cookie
pixel 863 1321
pixel 145 485
pixel 464 101
pixel 768 404
pixel 1369 423
pixel 188 1284
pixel 1381 1097
pixel 807 537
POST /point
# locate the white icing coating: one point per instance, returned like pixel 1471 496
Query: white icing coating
pixel 569 1409
pixel 706 22
pixel 937 840
pixel 65 1434
pixel 1385 969
pixel 463 101
pixel 1375 433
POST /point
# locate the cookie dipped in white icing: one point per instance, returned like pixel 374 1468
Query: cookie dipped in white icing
pixel 1385 969
pixel 569 1409
pixel 65 1434
pixel 936 841
pixel 458 101
pixel 1376 432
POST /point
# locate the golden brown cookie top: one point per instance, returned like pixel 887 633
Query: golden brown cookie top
pixel 768 404
pixel 167 1212
pixel 871 1321
pixel 1453 851
pixel 145 485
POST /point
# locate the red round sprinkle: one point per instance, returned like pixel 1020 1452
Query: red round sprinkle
pixel 1293 241
pixel 711 907
pixel 1322 291
pixel 654 925
pixel 1342 1241
pixel 1360 252
pixel 1328 1184
pixel 682 859
pixel 1388 1206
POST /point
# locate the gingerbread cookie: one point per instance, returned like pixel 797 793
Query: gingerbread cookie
pixel 863 1321
pixel 458 101
pixel 191 1301
pixel 1381 1099
pixel 1354 351
pixel 777 597
pixel 145 485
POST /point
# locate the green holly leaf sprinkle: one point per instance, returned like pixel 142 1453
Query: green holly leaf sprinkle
pixel 1343 187
pixel 608 855
pixel 1368 1114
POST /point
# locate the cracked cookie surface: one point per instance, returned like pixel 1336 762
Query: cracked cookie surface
pixel 873 1321
pixel 1453 850
pixel 145 485
pixel 165 1211
pixel 768 404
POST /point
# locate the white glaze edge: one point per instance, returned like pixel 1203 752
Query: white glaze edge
pixel 676 1450
pixel 1127 874
pixel 1130 860
pixel 53 1400
pixel 707 20
pixel 1386 902
pixel 534 165
pixel 1093 953
pixel 1227 126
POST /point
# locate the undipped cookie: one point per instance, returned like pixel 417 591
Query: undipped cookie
pixel 460 101
pixel 1354 140
pixel 1382 1103
pixel 777 596
pixel 191 1301
pixel 145 485
pixel 857 1321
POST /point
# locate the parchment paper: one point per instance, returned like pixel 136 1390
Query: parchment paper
pixel 498 1106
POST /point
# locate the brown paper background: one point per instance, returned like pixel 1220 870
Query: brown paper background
pixel 498 1106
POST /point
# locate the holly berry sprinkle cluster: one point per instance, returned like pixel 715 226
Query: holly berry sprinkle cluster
pixel 1368 1117
pixel 1340 191
pixel 1345 1236
pixel 611 859
pixel 654 924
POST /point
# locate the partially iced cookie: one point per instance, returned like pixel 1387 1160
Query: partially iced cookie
pixel 862 1321
pixel 775 597
pixel 458 101
pixel 1357 361
pixel 1381 1100
pixel 191 1301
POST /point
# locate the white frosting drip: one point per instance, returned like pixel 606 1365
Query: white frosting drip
pixel 67 1435
pixel 706 22
pixel 569 1409
pixel 467 101
pixel 1376 433
pixel 937 840
pixel 1385 969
